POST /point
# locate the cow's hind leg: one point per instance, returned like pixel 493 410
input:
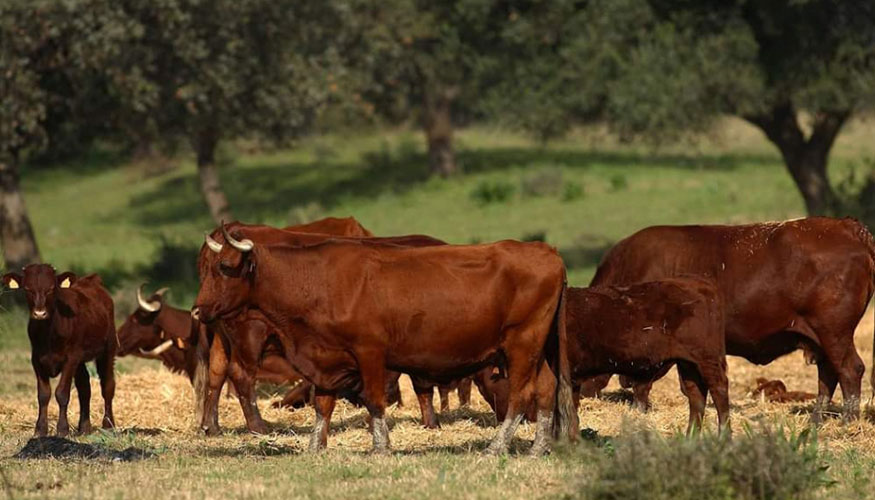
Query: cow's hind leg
pixel 545 400
pixel 851 380
pixel 522 372
pixel 696 391
pixel 444 392
pixel 83 391
pixel 425 397
pixel 714 375
pixel 105 370
pixel 827 380
pixel 465 391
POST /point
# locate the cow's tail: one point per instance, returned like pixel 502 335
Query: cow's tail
pixel 565 421
pixel 201 368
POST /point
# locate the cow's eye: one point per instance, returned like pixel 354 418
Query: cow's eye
pixel 226 268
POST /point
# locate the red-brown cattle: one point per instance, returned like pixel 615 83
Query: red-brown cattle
pixel 438 312
pixel 243 363
pixel 801 283
pixel 71 323
pixel 159 331
pixel 639 330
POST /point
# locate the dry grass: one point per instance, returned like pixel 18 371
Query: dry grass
pixel 153 410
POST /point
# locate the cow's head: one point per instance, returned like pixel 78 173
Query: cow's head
pixel 41 286
pixel 227 272
pixel 143 331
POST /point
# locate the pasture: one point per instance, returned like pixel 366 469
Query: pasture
pixel 582 194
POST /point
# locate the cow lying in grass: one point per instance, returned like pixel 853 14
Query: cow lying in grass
pixel 71 323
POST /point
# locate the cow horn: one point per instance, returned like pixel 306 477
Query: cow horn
pixel 158 350
pixel 214 245
pixel 161 291
pixel 146 305
pixel 244 245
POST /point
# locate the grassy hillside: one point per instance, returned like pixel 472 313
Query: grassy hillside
pixel 582 194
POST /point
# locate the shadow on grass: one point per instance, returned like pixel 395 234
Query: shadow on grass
pixel 275 187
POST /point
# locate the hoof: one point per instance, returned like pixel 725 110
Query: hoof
pixel 259 429
pixel 381 451
pixel 84 428
pixel 63 432
pixel 211 431
pixel 108 424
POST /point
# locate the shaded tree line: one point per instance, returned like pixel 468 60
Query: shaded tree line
pixel 158 73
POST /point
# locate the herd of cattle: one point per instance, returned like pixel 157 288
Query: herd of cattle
pixel 342 313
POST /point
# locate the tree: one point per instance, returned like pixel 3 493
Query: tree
pixel 49 52
pixel 220 70
pixel 426 59
pixel 796 69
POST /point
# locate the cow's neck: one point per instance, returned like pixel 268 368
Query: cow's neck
pixel 289 285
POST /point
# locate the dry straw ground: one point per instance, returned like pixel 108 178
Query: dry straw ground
pixel 153 409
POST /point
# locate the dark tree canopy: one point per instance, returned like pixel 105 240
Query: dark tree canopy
pixel 659 68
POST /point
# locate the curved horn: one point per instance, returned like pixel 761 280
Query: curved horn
pixel 214 245
pixel 144 304
pixel 244 246
pixel 161 291
pixel 158 350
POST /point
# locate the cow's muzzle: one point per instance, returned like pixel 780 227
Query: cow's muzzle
pixel 39 314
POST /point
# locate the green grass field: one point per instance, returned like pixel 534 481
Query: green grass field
pixel 581 194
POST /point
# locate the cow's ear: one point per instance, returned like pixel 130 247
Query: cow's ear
pixel 66 279
pixel 12 280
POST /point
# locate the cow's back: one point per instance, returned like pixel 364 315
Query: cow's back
pixel 768 273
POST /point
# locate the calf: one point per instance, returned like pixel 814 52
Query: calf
pixel 638 331
pixel 71 322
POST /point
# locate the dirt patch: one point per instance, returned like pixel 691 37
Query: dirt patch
pixel 56 447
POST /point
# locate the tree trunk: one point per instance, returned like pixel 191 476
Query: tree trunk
pixel 438 124
pixel 16 233
pixel 806 159
pixel 211 187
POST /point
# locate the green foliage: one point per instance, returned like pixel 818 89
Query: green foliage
pixel 545 181
pixel 572 191
pixel 488 192
pixel 619 182
pixel 660 69
pixel 763 464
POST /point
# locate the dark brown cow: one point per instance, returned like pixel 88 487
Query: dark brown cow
pixel 776 392
pixel 163 332
pixel 639 330
pixel 437 312
pixel 244 361
pixel 71 323
pixel 801 283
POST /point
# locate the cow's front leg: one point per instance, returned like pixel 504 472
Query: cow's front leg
pixel 43 396
pixel 62 396
pixel 323 404
pixel 372 367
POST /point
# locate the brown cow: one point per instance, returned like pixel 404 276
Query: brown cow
pixel 245 361
pixel 158 331
pixel 71 323
pixel 776 392
pixel 438 312
pixel 639 330
pixel 801 283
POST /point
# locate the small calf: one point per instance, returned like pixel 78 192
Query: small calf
pixel 71 322
pixel 776 392
pixel 641 329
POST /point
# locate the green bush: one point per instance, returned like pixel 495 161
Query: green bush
pixel 495 191
pixel 546 181
pixel 619 182
pixel 766 464
pixel 572 191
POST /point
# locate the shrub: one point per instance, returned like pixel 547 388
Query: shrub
pixel 543 182
pixel 572 191
pixel 496 191
pixel 767 464
pixel 619 182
